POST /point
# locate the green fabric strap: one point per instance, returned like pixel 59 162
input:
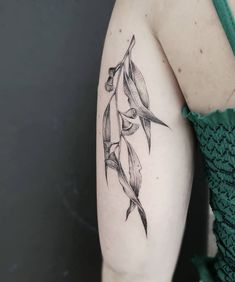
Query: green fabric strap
pixel 227 19
pixel 215 133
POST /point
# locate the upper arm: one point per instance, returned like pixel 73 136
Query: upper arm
pixel 144 157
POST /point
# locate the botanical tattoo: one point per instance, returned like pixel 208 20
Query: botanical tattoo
pixel 135 90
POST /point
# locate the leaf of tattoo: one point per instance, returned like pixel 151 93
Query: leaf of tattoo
pixel 106 135
pixel 135 181
pixel 139 81
pixel 134 99
pixel 131 113
pixel 128 128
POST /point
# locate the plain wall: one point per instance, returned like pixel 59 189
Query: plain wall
pixel 50 54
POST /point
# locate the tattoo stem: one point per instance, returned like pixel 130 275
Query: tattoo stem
pixel 119 68
pixel 132 43
pixel 117 111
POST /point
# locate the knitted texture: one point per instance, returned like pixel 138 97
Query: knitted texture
pixel 215 133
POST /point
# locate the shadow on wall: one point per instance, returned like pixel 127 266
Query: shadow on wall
pixel 50 56
pixel 195 235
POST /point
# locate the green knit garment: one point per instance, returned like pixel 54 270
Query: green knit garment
pixel 215 133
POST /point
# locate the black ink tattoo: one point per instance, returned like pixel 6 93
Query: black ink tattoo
pixel 134 88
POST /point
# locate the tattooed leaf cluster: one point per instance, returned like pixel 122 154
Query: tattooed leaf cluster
pixel 127 75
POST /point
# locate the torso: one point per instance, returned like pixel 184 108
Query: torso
pixel 198 51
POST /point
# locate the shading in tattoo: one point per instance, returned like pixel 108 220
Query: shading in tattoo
pixel 127 75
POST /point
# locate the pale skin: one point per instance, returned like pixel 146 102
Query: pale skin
pixel 185 58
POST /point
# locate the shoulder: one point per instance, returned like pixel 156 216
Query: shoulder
pixel 138 12
pixel 138 8
pixel 171 12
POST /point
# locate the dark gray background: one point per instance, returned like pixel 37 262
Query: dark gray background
pixel 50 53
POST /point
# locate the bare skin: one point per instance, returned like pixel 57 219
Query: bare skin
pixel 184 57
pixel 205 68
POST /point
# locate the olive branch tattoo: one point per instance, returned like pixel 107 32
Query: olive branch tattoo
pixel 134 88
